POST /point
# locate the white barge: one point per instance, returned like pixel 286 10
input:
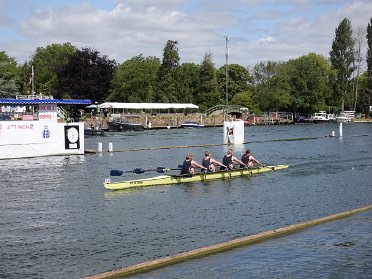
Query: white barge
pixel 31 127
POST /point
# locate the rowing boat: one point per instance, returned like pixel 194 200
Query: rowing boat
pixel 178 179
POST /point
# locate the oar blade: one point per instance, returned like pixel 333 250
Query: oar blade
pixel 160 170
pixel 138 171
pixel 116 172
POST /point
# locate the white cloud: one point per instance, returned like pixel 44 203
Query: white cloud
pixel 257 31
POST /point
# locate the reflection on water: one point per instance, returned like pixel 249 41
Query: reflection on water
pixel 58 221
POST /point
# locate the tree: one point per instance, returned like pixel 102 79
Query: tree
pixel 238 78
pixel 189 82
pixel 342 58
pixel 134 80
pixel 167 78
pixel 245 99
pixel 8 76
pixel 271 85
pixel 309 82
pixel 46 61
pixel 87 74
pixel 209 95
pixel 358 60
pixel 368 90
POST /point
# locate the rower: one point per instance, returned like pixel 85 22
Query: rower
pixel 229 160
pixel 210 163
pixel 248 160
pixel 189 165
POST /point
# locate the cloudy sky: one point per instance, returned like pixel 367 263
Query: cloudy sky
pixel 258 30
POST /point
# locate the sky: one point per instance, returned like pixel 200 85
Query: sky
pixel 257 30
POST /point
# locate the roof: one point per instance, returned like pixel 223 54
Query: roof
pixel 4 101
pixel 147 106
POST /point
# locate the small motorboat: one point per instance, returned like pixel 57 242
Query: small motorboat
pixel 190 124
pixel 319 117
pixel 118 126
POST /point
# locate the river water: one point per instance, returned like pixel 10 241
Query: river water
pixel 58 221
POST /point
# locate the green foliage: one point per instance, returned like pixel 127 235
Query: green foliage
pixel 9 87
pixel 245 99
pixel 168 75
pixel 209 95
pixel 302 85
pixel 368 86
pixel 87 74
pixel 309 83
pixel 238 80
pixel 342 59
pixel 190 82
pixel 134 80
pixel 271 86
pixel 46 61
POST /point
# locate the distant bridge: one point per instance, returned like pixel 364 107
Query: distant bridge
pixel 229 109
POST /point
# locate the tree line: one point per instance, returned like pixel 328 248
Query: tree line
pixel 302 85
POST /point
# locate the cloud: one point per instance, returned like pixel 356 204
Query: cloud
pixel 258 30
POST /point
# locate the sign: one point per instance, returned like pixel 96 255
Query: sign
pixel 72 140
pixel 48 112
pixel 27 117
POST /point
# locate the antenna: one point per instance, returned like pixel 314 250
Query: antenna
pixel 227 70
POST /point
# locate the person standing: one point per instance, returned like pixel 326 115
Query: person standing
pixel 189 165
pixel 249 160
pixel 210 163
pixel 229 159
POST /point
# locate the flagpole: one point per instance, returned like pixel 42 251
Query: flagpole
pixel 227 70
pixel 32 81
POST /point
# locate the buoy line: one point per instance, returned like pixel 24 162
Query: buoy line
pixel 221 247
pixel 206 145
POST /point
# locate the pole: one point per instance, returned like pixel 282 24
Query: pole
pixel 32 81
pixel 227 70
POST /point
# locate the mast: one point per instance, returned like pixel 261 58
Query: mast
pixel 32 81
pixel 227 70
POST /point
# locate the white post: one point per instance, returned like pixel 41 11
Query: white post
pixel 99 147
pixel 340 129
pixel 333 134
pixel 110 147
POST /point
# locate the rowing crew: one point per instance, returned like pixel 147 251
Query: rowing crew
pixel 209 164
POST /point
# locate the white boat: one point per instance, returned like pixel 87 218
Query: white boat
pixel 319 117
pixel 190 124
pixel 345 116
pixel 29 127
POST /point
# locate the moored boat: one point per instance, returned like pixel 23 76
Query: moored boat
pixel 345 116
pixel 190 124
pixel 178 179
pixel 119 126
pixel 319 117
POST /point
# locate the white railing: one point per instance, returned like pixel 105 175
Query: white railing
pixel 62 113
pixel 34 97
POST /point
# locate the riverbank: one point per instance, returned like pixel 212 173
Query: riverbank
pixel 174 120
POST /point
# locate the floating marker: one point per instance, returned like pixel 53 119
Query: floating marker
pixel 99 150
pixel 110 147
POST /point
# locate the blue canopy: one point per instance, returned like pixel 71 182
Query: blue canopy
pixel 4 101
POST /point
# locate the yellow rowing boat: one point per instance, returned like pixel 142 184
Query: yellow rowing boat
pixel 178 179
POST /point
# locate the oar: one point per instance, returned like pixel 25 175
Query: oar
pixel 140 171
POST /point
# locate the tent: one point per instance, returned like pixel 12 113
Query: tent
pixel 158 107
